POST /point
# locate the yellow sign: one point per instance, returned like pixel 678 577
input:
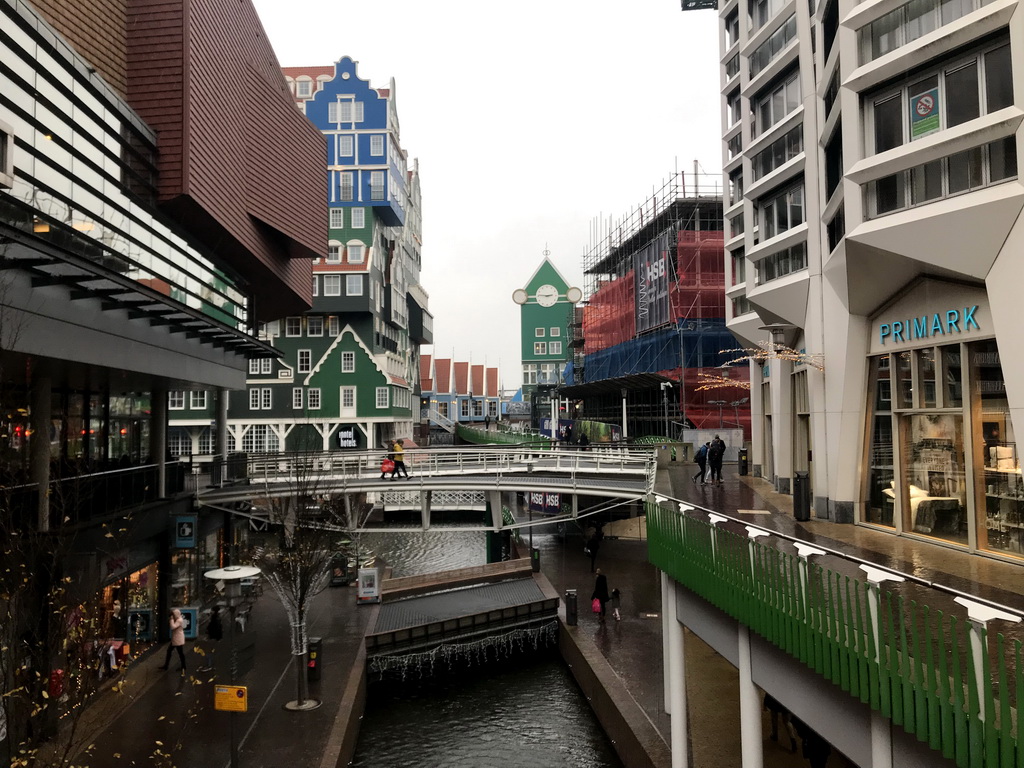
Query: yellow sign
pixel 230 698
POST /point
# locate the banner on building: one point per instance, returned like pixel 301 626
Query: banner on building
pixel 654 268
pixel 545 503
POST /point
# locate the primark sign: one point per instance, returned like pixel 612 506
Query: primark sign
pixel 937 324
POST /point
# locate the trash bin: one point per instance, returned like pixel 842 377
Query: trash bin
pixel 535 559
pixel 802 496
pixel 570 607
pixel 743 466
pixel 314 648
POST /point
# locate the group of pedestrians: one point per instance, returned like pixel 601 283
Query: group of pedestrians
pixel 709 457
pixel 394 462
pixel 602 599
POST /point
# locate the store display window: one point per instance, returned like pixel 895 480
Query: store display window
pixel 183 578
pixel 881 496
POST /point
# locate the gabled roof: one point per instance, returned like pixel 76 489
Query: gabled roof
pixel 443 376
pixel 492 382
pixel 547 272
pixel 313 72
pixel 461 378
pixel 477 380
pixel 426 373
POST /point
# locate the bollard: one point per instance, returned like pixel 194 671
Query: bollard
pixel 314 649
pixel 570 607
pixel 743 462
pixel 535 559
pixel 802 496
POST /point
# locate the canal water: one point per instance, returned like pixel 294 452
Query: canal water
pixel 525 712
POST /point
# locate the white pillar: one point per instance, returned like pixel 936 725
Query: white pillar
pixel 677 679
pixel 424 509
pixel 665 666
pixel 979 615
pixel 881 727
pixel 625 429
pixel 751 748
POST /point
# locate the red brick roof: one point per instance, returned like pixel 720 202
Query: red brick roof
pixel 477 387
pixel 313 72
pixel 492 382
pixel 426 382
pixel 461 378
pixel 443 376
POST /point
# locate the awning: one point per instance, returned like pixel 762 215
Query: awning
pixel 632 382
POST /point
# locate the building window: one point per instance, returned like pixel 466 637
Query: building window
pixel 735 145
pixel 539 332
pixel 303 89
pixel 348 362
pixel 305 361
pixel 383 397
pixel 197 400
pixel 733 109
pixel 316 285
pixel 548 373
pixel 836 229
pixel 297 398
pixel 260 438
pixel 555 348
pixel 346 145
pixel 254 399
pixel 732 67
pixel 762 11
pixel 739 267
pixel 741 306
pixel 347 192
pixel 293 326
pixel 785 262
pixel 909 22
pixel 334 253
pixel 333 325
pixel 358 218
pixel 348 398
pixel 962 90
pixel 315 325
pixel 965 171
pixel 478 408
pixel 254 367
pixel 337 218
pixel 6 156
pixel 735 187
pixel 782 212
pixel 778 153
pixel 176 398
pixel 464 408
pixel 540 348
pixel 266 366
pixel 834 162
pixel 353 285
pixel 492 408
pixel 530 373
pixel 376 185
pixel 377 145
pixel 356 254
pixel 555 332
pixel 774 104
pixel 179 443
pixel 332 285
pixel 773 46
pixel 313 399
pixel 732 29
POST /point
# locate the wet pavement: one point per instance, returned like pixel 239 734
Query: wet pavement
pixel 166 712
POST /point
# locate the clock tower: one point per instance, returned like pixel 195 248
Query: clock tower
pixel 545 318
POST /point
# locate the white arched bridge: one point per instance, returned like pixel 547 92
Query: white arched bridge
pixel 612 472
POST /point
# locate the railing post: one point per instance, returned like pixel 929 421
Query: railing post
pixel 715 520
pixel 979 615
pixel 805 551
pixel 881 728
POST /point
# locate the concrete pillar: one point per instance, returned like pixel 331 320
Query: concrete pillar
pixel 158 436
pixel 220 448
pixel 425 497
pixel 751 749
pixel 677 678
pixel 666 679
pixel 881 727
pixel 40 418
pixel 494 502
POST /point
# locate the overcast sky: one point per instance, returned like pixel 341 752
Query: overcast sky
pixel 530 121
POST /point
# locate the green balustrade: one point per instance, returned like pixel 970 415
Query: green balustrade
pixel 921 675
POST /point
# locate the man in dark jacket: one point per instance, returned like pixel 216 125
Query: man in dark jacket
pixel 701 457
pixel 716 451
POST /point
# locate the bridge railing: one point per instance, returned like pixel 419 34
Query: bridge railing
pixel 917 652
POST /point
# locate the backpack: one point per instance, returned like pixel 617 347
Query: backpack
pixel 716 450
pixel 702 453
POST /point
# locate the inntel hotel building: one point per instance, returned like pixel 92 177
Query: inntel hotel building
pixel 873 228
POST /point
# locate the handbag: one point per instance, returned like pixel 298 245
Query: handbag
pixel 387 466
pixel 595 606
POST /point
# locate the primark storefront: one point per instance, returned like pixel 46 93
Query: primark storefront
pixel 941 454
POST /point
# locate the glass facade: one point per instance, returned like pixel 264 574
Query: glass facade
pixel 941 464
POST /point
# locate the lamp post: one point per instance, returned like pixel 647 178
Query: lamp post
pixel 665 387
pixel 232 579
pixel 719 403
pixel 736 408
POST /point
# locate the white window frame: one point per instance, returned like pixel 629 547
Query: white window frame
pixel 266 398
pixel 356 252
pixel 313 399
pixel 332 285
pixel 333 325
pixel 297 398
pixel 346 145
pixel 346 186
pixel 176 400
pixel 382 397
pixel 254 367
pixel 358 218
pixel 352 281
pixel 348 362
pixel 292 327
pixel 464 408
pixel 304 361
pixel 343 395
pixel 314 325
pixel 555 332
pixel 540 332
pixel 254 399
pixel 554 347
pixel 378 185
pixel 337 218
pixel 316 285
pixel 303 88
pixel 333 252
pixel 266 366
pixel 492 408
pixel 197 400
pixel 377 145
pixel 540 347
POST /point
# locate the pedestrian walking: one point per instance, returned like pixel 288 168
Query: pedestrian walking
pixel 777 712
pixel 592 546
pixel 716 452
pixel 487 421
pixel 177 626
pixel 214 629
pixel 601 591
pixel 616 597
pixel 701 457
pixel 387 464
pixel 398 452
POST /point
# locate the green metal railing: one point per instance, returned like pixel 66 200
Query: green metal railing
pixel 496 437
pixel 911 663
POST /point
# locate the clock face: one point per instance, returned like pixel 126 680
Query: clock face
pixel 519 296
pixel 546 295
pixel 573 295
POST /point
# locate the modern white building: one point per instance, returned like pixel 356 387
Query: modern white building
pixel 873 228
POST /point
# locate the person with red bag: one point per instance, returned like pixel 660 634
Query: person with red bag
pixel 387 465
pixel 600 596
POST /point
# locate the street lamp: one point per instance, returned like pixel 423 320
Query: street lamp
pixel 232 577
pixel 665 387
pixel 736 408
pixel 719 403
